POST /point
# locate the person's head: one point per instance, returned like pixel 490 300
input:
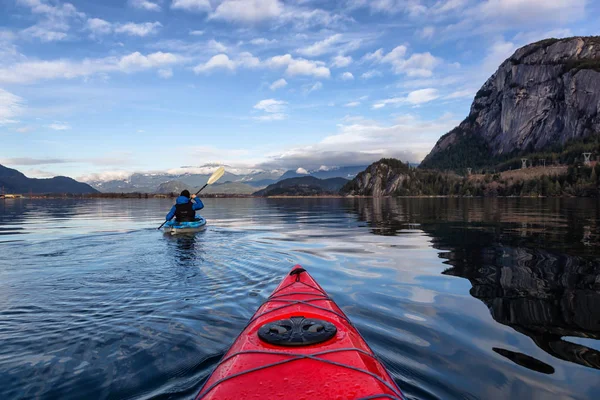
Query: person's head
pixel 185 193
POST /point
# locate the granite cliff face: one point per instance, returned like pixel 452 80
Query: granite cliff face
pixel 546 94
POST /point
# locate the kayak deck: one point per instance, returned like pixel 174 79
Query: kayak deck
pixel 174 227
pixel 341 367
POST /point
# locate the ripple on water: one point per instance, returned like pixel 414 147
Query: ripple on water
pixel 461 299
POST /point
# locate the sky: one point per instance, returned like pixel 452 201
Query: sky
pixel 102 89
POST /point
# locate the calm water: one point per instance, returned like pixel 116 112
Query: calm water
pixel 461 299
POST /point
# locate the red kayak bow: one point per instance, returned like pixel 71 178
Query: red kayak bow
pixel 300 345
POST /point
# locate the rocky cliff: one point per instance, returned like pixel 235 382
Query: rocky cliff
pixel 383 178
pixel 545 95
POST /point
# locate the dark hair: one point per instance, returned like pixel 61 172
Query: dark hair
pixel 185 193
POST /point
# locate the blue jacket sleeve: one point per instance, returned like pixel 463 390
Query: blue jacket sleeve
pixel 171 213
pixel 198 205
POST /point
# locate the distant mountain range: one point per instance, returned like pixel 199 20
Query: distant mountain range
pixel 304 186
pixel 240 183
pixel 217 188
pixel 337 172
pixel 15 182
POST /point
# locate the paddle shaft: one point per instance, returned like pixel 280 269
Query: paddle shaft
pixel 201 189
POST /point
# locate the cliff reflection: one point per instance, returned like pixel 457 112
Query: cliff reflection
pixel 537 270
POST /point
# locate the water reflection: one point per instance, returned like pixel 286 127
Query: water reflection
pixel 96 303
pixel 535 266
pixel 525 361
pixel 542 295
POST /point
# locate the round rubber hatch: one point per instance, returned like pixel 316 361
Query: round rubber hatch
pixel 297 331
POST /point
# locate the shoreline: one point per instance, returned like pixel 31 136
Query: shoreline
pixel 227 196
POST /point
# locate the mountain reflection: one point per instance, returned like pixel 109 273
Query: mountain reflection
pixel 537 270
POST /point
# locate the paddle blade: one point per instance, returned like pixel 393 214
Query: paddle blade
pixel 216 176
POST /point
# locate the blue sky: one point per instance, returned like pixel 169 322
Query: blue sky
pixel 100 89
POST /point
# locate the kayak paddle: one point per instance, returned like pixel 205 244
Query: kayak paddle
pixel 213 178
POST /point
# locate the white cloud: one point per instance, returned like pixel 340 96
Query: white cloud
pixel 361 142
pixel 34 161
pixel 427 32
pixel 33 71
pixel 191 5
pixel 299 66
pixel 377 55
pixel 262 41
pixel 501 16
pixel 417 65
pixel 352 104
pixel 271 105
pixel 312 88
pixel 136 61
pixel 414 98
pixel 422 96
pixel 59 126
pixel 301 171
pixel 247 60
pixel 45 33
pixel 322 47
pixel 65 10
pixel 449 6
pixel 248 11
pixel 142 29
pixel 516 12
pixel 388 6
pixel 257 11
pixel 55 22
pixel 165 73
pixel 196 33
pixel 371 74
pixel 278 84
pixel 305 19
pixel 347 76
pixel 10 106
pixel 105 176
pixel 98 26
pixel 144 5
pixel 275 110
pixel 222 61
pixel 341 61
pixel 216 46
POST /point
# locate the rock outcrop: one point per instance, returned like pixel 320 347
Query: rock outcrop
pixel 380 179
pixel 546 94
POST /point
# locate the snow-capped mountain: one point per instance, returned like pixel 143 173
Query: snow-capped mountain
pixel 193 177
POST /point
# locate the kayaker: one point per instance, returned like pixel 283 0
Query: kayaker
pixel 185 208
